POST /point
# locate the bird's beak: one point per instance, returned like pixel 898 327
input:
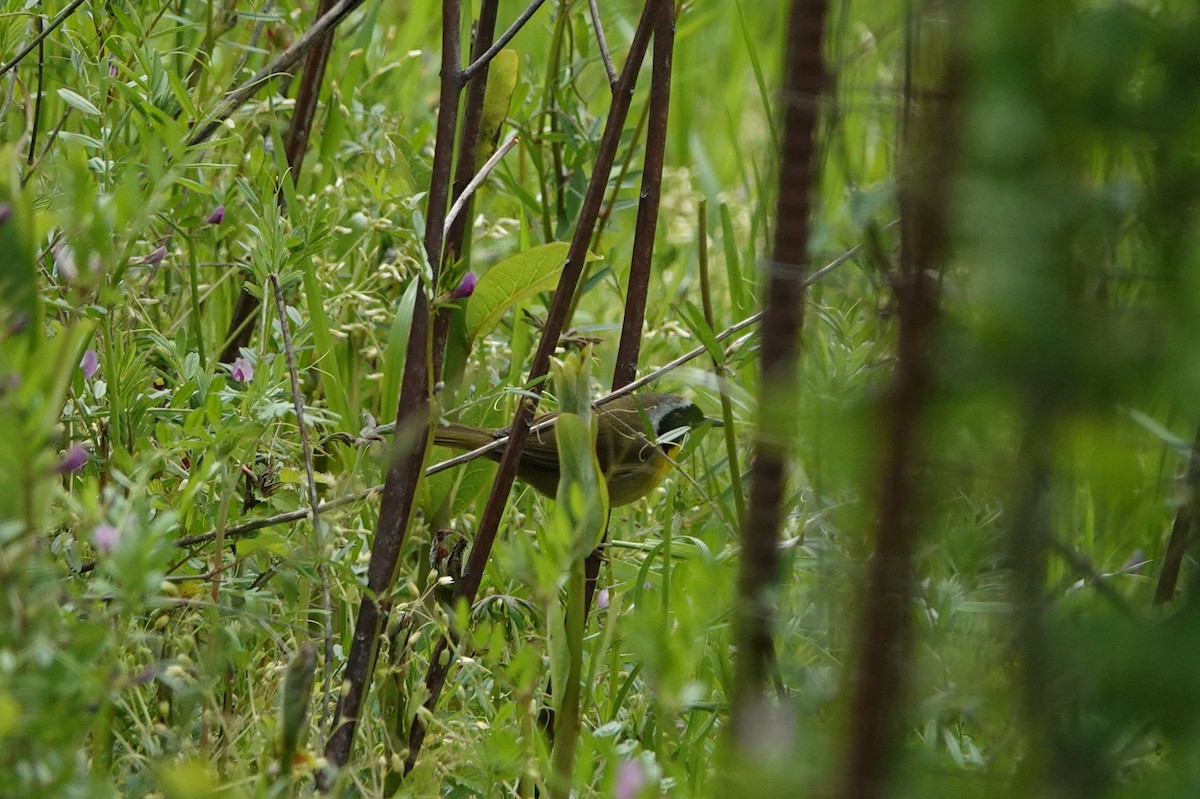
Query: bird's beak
pixel 714 422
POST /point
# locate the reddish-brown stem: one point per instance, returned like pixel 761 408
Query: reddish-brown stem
pixel 412 427
pixel 804 80
pixel 630 345
pixel 307 96
pixel 241 325
pixel 442 658
pixel 879 685
pixel 1182 531
pixel 468 146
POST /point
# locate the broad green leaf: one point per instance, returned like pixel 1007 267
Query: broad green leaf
pixel 397 349
pixel 18 262
pixel 737 287
pixel 694 318
pixel 268 541
pixel 582 495
pixel 78 102
pixel 10 714
pixel 502 79
pixel 514 279
pixel 325 356
pixel 582 498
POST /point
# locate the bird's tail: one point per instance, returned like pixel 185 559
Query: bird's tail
pixel 461 436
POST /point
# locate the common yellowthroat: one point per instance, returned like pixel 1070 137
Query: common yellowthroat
pixel 633 461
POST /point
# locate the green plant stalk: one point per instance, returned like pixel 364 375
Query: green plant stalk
pixel 102 739
pixel 735 469
pixel 326 357
pixel 549 105
pixel 567 716
pixel 194 298
pixel 604 646
pixel 116 399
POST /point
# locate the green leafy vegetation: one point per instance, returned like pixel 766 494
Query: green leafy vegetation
pixel 183 554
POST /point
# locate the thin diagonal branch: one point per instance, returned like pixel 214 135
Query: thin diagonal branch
pixel 1183 530
pixel 313 500
pixel 602 43
pixel 284 61
pixel 40 37
pixel 476 66
pixel 297 396
pixel 476 181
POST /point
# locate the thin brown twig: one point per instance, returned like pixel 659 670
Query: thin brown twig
pixel 1182 530
pixel 37 98
pixel 46 147
pixel 482 61
pixel 313 500
pixel 476 181
pixel 455 239
pixel 284 61
pixel 297 396
pixel 602 43
pixel 40 37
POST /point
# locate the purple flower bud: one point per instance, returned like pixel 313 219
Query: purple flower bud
pixel 89 364
pixel 156 256
pixel 602 599
pixel 5 212
pixel 242 370
pixel 106 537
pixel 465 287
pixel 72 460
pixel 112 66
pixel 217 216
pixel 631 779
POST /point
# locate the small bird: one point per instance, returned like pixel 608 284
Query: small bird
pixel 633 460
